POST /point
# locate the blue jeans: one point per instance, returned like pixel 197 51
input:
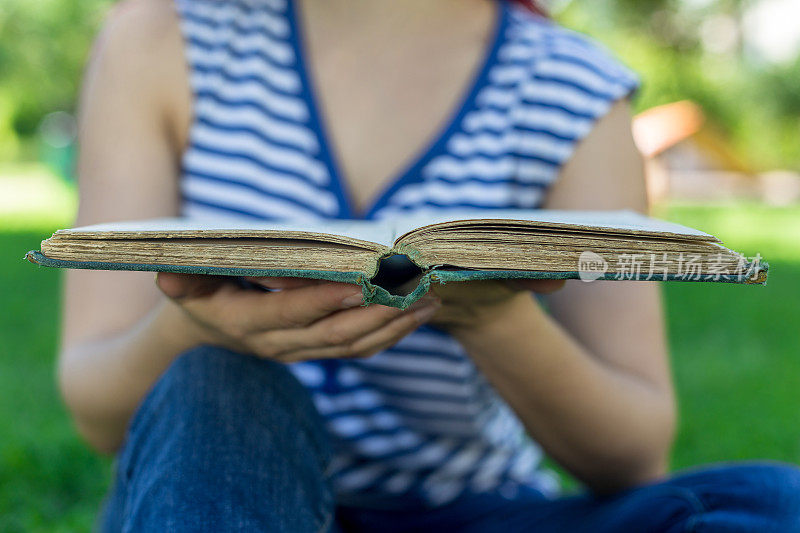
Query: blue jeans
pixel 227 442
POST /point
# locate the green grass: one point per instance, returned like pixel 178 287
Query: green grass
pixel 734 351
pixel 735 348
pixel 49 481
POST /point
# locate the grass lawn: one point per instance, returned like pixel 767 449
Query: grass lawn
pixel 49 481
pixel 734 350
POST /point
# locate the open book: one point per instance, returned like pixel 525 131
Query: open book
pixel 396 260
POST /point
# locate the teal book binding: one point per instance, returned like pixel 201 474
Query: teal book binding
pixel 382 255
pixel 376 294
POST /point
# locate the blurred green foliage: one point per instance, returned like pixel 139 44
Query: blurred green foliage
pixel 754 103
pixel 44 45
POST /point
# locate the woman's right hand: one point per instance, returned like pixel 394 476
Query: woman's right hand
pixel 303 320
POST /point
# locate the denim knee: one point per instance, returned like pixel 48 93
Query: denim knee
pixel 775 489
pixel 230 372
pixel 211 377
pixel 212 390
pixel 228 433
pixel 765 496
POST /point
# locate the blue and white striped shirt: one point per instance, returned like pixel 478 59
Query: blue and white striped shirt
pixel 417 421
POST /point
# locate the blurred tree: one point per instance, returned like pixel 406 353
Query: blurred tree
pixel 682 48
pixel 694 49
pixel 43 47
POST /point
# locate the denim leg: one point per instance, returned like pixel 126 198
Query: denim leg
pixel 223 442
pixel 731 498
pixel 762 497
pixel 737 498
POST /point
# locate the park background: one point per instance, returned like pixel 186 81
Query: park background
pixel 720 129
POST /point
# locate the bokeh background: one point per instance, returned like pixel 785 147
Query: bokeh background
pixel 718 121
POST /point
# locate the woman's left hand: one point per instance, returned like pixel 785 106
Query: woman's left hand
pixel 473 304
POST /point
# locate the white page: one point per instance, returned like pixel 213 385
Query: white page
pixel 379 232
pixel 621 220
pixel 386 232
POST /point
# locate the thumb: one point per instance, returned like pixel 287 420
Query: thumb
pixel 182 286
pixel 541 286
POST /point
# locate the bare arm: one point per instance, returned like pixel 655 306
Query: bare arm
pixel 591 382
pixel 127 169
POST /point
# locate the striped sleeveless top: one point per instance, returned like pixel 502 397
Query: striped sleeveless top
pixel 416 422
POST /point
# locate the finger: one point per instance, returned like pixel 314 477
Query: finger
pixel 382 338
pixel 283 283
pixel 181 286
pixel 390 334
pixel 339 329
pixel 541 286
pixel 239 312
pixel 293 308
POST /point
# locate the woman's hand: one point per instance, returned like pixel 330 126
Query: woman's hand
pixel 304 319
pixel 471 305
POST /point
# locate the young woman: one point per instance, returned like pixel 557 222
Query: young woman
pixel 298 409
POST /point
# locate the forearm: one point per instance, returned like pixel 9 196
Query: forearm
pixel 104 380
pixel 608 427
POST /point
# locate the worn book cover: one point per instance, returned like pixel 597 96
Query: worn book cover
pixel 396 260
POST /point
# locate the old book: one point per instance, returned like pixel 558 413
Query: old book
pixel 385 256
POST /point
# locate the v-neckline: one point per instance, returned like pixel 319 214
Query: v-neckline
pixel 409 170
